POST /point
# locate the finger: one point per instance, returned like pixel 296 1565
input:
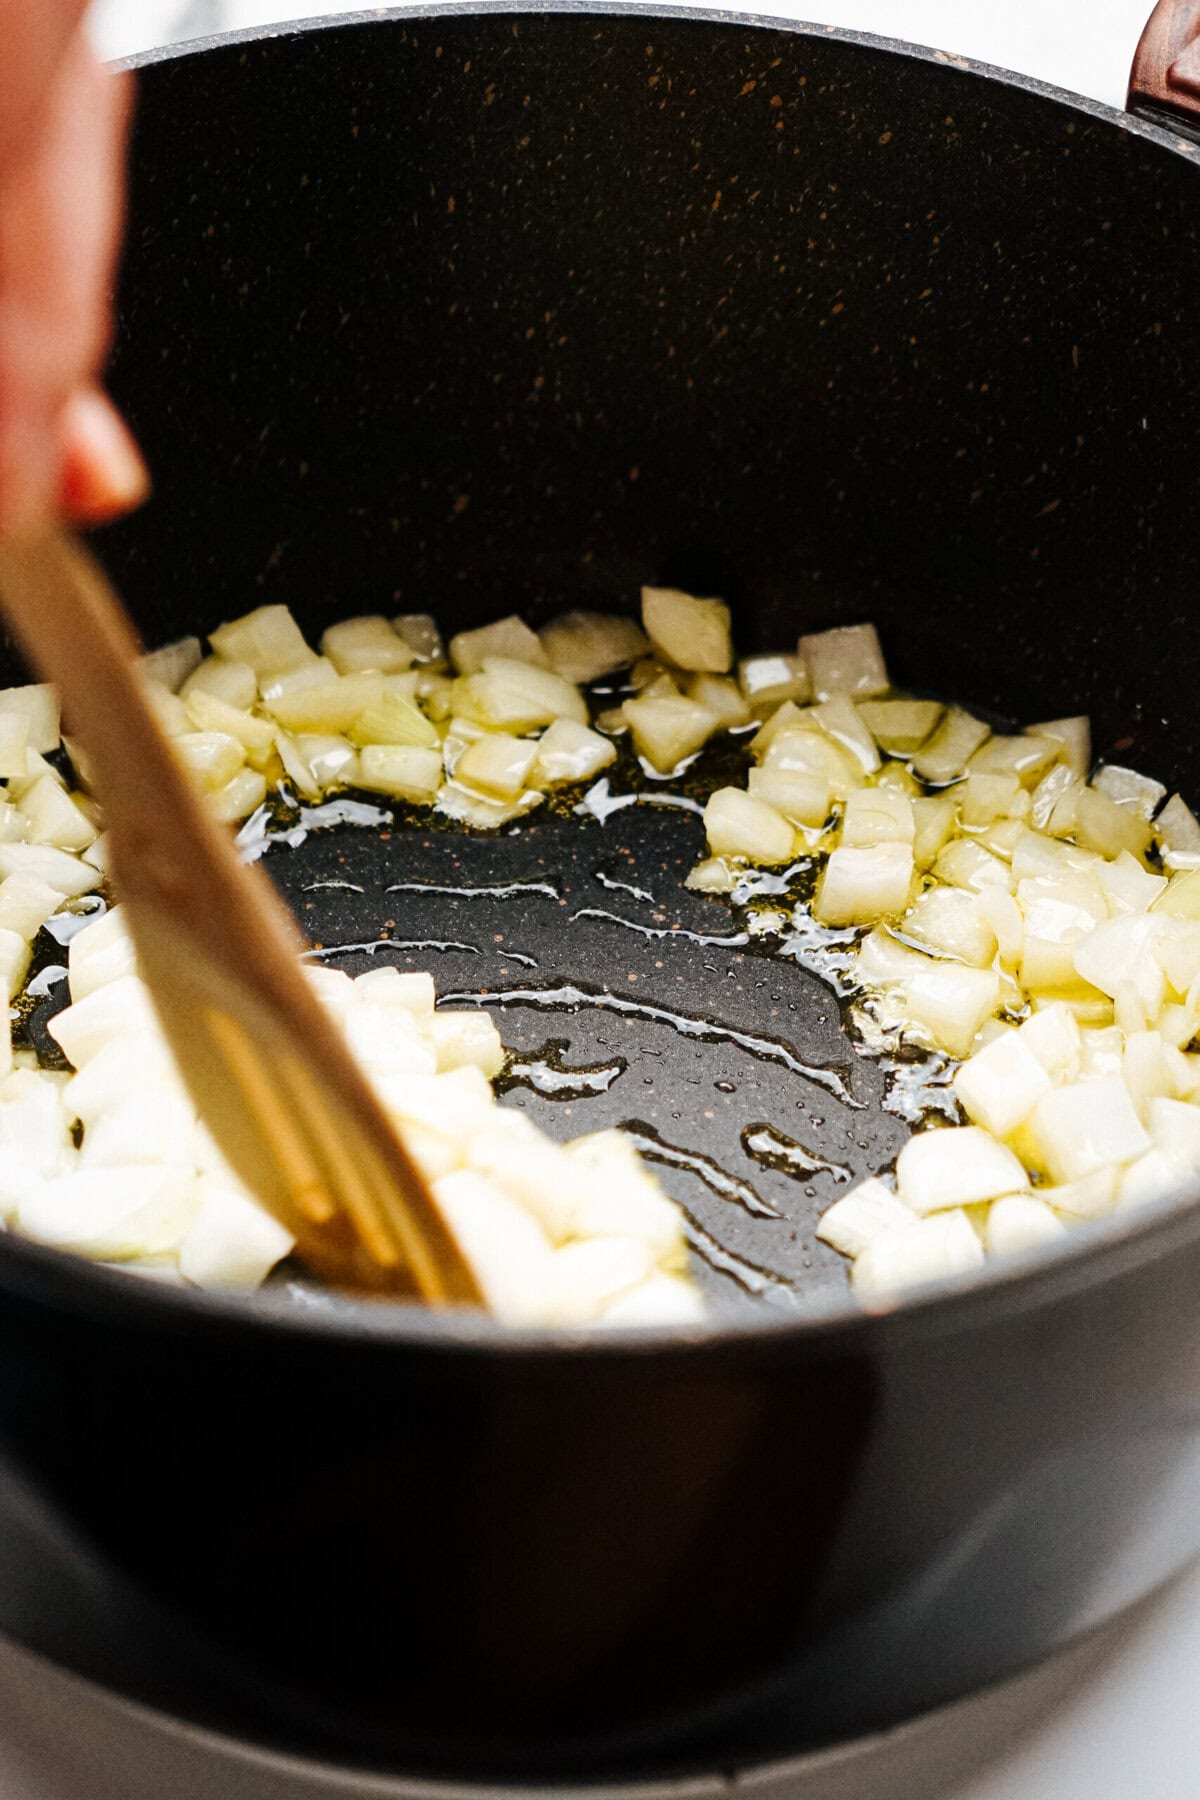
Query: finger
pixel 60 213
pixel 103 474
pixel 37 35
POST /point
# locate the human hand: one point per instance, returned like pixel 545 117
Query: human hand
pixel 64 450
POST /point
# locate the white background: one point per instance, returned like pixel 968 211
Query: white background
pixel 1118 1718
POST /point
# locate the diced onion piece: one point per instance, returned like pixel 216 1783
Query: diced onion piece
pixel 804 799
pixel 1124 950
pixel 1060 913
pixel 1052 1034
pixel 568 751
pixel 100 953
pixel 721 696
pixel 877 816
pixel 26 903
pixel 331 758
pixel 1150 1178
pixel 1049 810
pixel 469 808
pixel 497 764
pixel 586 1278
pixel 242 794
pixel 112 1213
pixel 1128 887
pixel 1101 824
pixel 207 712
pixel 983 799
pixel 232 1241
pixel 946 1244
pixel 1085 1126
pixel 1180 898
pixel 53 817
pixel 667 730
pixel 1004 918
pixel 213 757
pixel 233 683
pixel 900 726
pixel 366 643
pixel 86 1026
pixel 1146 1071
pixel 318 671
pixel 1026 757
pixel 847 660
pixel 268 638
pixel 152 1122
pixel 506 1247
pixel 950 1003
pixel 898 778
pixel 739 824
pixel 935 817
pixel 420 633
pixel 393 719
pixel 663 1300
pixel 945 757
pixel 510 695
pixel 295 766
pixel 14 744
pixel 1019 1223
pixel 1034 855
pixel 858 887
pixel 1091 1197
pixel 812 752
pixel 607 1163
pixel 1175 1129
pixel 1178 832
pixel 767 681
pixel 690 632
pixel 37 706
pixel 466 1039
pixel 57 868
pixel 583 646
pixel 173 663
pixel 868 1211
pixel 948 922
pixel 839 718
pixel 968 865
pixel 712 875
pixel 327 705
pixel 956 1167
pixel 509 638
pixel 1127 788
pixel 785 718
pixel 412 991
pixel 1001 1084
pixel 1074 739
pixel 405 771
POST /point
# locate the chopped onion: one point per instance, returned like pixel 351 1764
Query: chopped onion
pixel 868 1211
pixel 691 633
pixel 944 1245
pixel 847 660
pixel 739 824
pixel 956 1167
pixel 583 646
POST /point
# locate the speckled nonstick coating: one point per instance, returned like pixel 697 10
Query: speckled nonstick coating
pixel 475 311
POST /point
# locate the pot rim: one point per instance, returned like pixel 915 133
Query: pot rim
pixel 1118 1245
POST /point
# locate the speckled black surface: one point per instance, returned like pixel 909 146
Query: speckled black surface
pixel 495 310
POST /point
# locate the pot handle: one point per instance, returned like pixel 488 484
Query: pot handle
pixel 1164 84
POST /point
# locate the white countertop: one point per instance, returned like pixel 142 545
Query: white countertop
pixel 1116 1718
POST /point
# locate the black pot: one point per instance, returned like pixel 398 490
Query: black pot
pixel 496 309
